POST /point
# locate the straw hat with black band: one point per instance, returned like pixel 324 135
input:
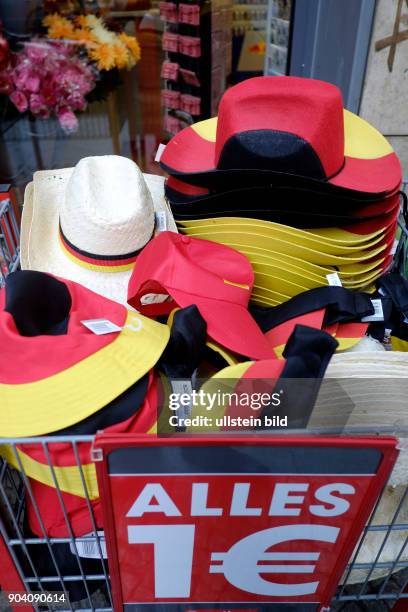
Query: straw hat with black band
pixel 89 223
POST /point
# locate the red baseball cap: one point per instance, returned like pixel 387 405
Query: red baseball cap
pixel 175 269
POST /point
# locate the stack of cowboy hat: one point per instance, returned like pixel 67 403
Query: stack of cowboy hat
pixel 301 186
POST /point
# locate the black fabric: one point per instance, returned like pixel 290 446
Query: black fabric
pixel 112 258
pixel 38 303
pixel 307 353
pixel 393 291
pixel 271 150
pixel 342 305
pixel 186 347
pixel 223 180
pixel 267 197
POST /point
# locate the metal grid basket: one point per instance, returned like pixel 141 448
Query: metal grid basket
pixel 376 577
pixel 9 245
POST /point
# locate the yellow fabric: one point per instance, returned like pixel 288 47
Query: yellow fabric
pixel 56 402
pixel 206 129
pixel 335 237
pixel 352 273
pixel 94 267
pixel 271 284
pixel 361 139
pixel 398 344
pixel 69 477
pixel 226 355
pixel 245 239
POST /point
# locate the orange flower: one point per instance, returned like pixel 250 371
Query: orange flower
pixel 81 21
pixel 132 45
pixel 58 27
pixel 121 56
pixel 83 36
pixel 104 56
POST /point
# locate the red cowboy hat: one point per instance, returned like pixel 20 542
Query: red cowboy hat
pixel 287 127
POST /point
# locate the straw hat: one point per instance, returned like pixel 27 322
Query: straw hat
pixel 89 223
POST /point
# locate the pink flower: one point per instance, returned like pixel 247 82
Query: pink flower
pixel 38 106
pixel 19 100
pixel 36 52
pixel 68 120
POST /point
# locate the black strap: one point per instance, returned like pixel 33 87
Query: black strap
pixel 395 287
pixel 186 347
pixel 307 352
pixel 342 305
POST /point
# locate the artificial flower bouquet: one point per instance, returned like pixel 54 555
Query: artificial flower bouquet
pixel 53 75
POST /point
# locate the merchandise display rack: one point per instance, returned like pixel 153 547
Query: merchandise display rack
pixel 19 551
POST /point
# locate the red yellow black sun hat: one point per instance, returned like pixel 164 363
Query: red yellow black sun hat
pixel 270 127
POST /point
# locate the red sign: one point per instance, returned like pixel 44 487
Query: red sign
pixel 237 522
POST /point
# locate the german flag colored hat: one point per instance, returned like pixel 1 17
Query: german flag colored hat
pixel 290 128
pixel 54 371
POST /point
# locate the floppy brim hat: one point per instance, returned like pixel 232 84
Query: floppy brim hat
pixel 43 249
pixel 49 382
pixel 279 127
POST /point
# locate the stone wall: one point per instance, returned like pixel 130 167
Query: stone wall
pixel 385 94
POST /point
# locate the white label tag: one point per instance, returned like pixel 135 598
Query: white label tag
pixel 101 326
pixel 161 221
pixel 159 152
pixel 154 298
pixel 183 387
pixel 334 280
pixel 378 313
pixel 394 247
pixel 88 548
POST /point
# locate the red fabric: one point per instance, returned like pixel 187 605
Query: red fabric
pixel 185 188
pixel 205 273
pixel 76 507
pixel 307 108
pixel 373 225
pixel 188 152
pixel 279 335
pixel 26 360
pixel 380 175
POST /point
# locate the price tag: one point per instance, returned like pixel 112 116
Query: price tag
pixel 88 548
pixel 334 280
pixel 101 326
pixel 154 298
pixel 161 221
pixel 159 152
pixel 183 388
pixel 378 313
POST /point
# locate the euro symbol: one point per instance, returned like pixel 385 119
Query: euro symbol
pixel 242 563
